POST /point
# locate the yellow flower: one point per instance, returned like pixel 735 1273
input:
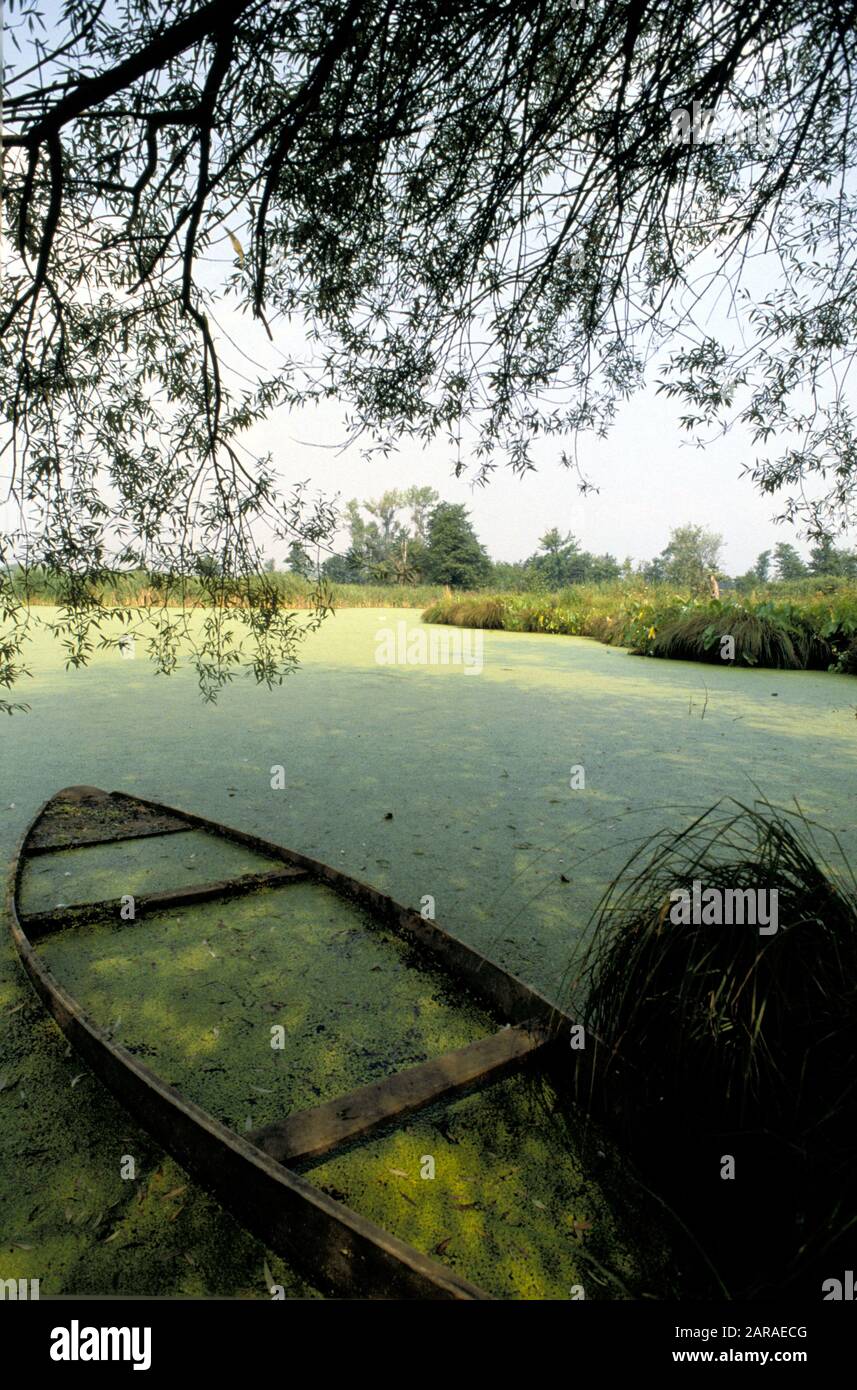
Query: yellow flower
pixel 651 632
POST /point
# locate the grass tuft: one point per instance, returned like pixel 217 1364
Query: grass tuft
pixel 716 1040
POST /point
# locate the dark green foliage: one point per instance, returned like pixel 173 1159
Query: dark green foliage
pixel 560 562
pixel 761 639
pixel 827 559
pixel 788 562
pixel 299 561
pixel 453 553
pixel 848 660
pixel 714 1040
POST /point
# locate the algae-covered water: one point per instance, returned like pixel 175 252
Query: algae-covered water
pixel 424 781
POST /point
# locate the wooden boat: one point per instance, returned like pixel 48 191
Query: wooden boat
pixel 254 1173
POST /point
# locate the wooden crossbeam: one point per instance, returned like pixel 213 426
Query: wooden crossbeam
pixel 309 1133
pixel 41 924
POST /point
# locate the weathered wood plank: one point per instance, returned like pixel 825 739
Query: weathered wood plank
pixel 81 816
pixel 51 846
pixel 41 924
pixel 309 1133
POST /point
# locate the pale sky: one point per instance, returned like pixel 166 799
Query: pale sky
pixel 651 478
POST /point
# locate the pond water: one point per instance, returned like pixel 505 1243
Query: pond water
pixel 425 781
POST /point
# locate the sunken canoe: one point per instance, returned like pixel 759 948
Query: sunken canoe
pixel 252 1173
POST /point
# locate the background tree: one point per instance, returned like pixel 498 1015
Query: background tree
pixel 787 562
pixel 386 509
pixel 421 502
pixel 454 555
pixel 654 571
pixel 827 559
pixel 600 569
pixel 692 554
pixel 299 561
pixel 558 560
pixel 762 567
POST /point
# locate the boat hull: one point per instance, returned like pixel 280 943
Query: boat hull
pixel 336 1248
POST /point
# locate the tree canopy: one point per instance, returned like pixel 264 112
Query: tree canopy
pixel 489 219
pixel 454 554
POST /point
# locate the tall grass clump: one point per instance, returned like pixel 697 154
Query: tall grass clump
pixel 477 611
pixel 708 1041
pixel 761 636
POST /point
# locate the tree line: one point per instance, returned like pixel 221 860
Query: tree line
pixel 411 536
